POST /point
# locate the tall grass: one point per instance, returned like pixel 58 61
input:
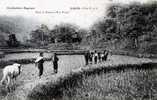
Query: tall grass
pixel 122 82
pixel 133 53
pixel 126 85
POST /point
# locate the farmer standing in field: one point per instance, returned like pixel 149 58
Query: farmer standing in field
pixel 87 57
pixel 99 56
pixel 91 57
pixel 103 55
pixel 106 54
pixel 39 63
pixel 95 57
pixel 55 60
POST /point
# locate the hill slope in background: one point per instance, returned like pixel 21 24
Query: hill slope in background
pixel 17 25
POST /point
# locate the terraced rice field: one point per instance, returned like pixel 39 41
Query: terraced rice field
pixel 30 72
pixel 17 56
pixel 29 79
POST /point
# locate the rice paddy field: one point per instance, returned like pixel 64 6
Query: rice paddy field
pixel 124 85
pixel 28 55
pixel 105 86
pixel 29 75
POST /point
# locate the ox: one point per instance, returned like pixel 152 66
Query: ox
pixel 10 73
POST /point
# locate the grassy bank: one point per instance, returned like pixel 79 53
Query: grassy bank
pixel 92 83
pixel 133 53
pixel 124 85
pixel 9 51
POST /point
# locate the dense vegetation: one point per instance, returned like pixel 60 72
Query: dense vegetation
pixel 131 26
pixel 127 85
pixel 65 33
pixel 17 25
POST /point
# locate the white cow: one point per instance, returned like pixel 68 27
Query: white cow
pixel 10 73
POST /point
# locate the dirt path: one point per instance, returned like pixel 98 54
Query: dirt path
pixel 29 79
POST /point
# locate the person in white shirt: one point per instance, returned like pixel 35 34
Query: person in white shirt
pixel 39 63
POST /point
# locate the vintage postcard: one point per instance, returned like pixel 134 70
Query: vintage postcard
pixel 78 49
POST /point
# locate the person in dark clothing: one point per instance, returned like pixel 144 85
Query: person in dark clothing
pixel 39 63
pixel 99 56
pixel 87 56
pixel 95 57
pixel 55 62
pixel 91 57
pixel 106 55
pixel 103 55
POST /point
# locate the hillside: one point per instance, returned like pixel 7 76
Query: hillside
pixel 17 25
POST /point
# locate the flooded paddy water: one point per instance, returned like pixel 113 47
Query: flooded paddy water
pixel 66 63
pixel 30 72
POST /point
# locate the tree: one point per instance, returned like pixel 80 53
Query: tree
pixel 106 28
pixel 65 33
pixel 135 19
pixel 41 34
pixel 12 42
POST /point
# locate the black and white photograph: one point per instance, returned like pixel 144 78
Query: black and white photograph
pixel 78 50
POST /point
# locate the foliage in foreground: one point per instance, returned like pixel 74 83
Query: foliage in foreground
pixel 119 83
pixel 127 85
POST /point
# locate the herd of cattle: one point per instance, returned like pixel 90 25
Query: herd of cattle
pixel 10 72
